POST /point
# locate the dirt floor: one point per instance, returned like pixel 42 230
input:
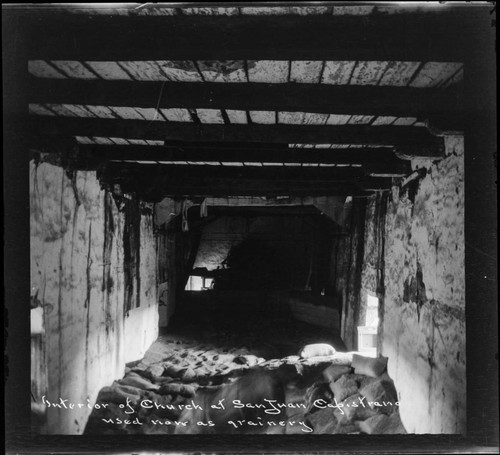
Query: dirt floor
pixel 222 370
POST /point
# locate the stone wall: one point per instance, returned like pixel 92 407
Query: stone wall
pixel 77 275
pixel 407 249
pixel 424 310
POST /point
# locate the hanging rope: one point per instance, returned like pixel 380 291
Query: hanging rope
pixel 184 210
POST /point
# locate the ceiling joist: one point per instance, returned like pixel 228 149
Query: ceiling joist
pixel 200 174
pixel 243 105
pixel 377 37
pixel 293 97
pixel 154 182
pixel 264 155
pixel 393 136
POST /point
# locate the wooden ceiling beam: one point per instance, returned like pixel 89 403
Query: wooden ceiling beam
pixel 427 36
pixel 154 190
pixel 377 162
pixel 376 156
pixel 241 189
pixel 153 182
pixel 317 98
pixel 418 138
pixel 200 174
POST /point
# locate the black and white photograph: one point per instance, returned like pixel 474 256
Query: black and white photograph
pixel 254 219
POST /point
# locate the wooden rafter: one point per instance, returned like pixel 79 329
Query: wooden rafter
pixel 318 98
pixel 400 136
pixel 381 156
pixel 405 37
pixel 200 174
pixel 155 182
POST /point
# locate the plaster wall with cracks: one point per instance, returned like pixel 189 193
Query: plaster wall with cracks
pixel 77 267
pixel 424 305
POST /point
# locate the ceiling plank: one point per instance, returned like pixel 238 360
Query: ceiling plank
pixel 402 136
pixel 430 36
pixel 381 160
pixel 314 98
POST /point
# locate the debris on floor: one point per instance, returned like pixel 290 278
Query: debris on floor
pixel 191 385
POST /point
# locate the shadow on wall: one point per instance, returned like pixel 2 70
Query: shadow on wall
pixel 254 264
pixel 268 252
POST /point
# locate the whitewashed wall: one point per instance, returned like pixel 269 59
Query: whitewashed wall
pixel 89 338
pixel 426 344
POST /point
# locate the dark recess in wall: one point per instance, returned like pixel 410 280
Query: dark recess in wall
pixel 252 264
pixel 131 254
pixel 414 290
